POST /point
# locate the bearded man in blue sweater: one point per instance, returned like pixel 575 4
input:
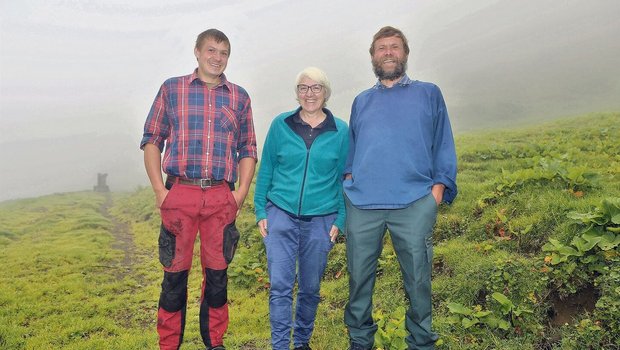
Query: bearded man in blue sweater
pixel 401 165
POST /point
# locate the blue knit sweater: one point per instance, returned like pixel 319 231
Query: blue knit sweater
pixel 400 145
pixel 301 181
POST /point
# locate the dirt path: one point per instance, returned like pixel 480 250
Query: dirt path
pixel 128 271
pixel 123 239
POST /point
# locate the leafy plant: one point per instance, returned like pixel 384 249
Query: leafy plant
pixel 469 317
pixel 391 332
pixel 247 271
pixel 600 232
pixel 510 310
pixel 608 305
pixel 585 334
pixel 576 179
pixel 591 255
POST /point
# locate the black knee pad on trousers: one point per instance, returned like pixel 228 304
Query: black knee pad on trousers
pixel 173 295
pixel 216 287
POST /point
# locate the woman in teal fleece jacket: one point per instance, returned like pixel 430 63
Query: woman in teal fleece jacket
pixel 300 206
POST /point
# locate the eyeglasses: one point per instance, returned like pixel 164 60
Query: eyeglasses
pixel 303 89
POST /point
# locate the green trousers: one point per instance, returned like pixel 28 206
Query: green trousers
pixel 411 232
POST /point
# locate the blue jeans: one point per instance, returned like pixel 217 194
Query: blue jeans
pixel 295 247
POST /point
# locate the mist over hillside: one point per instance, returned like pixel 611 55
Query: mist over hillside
pixel 507 64
pixel 499 64
pixel 66 164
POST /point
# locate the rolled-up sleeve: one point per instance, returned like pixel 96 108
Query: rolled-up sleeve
pixel 157 126
pixel 246 146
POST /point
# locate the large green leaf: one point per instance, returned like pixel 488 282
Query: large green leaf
pixel 595 217
pixel 557 258
pixel 457 308
pixel 506 304
pixel 569 251
pixel 503 324
pixel 588 240
pixel 552 246
pixel 466 322
pixel 483 313
pixel 611 207
pixel 609 241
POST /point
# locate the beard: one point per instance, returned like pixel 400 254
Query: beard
pixel 399 70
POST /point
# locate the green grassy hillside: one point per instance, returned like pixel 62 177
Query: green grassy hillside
pixel 527 257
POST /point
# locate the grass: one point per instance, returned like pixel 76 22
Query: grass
pixel 63 286
pixel 81 269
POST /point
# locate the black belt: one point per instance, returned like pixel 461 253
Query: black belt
pixel 203 183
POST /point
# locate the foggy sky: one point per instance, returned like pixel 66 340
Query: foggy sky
pixel 77 78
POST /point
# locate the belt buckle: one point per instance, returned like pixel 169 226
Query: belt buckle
pixel 204 183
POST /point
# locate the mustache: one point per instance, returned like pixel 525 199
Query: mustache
pixel 397 72
pixel 391 59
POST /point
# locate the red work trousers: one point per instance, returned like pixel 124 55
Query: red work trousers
pixel 187 210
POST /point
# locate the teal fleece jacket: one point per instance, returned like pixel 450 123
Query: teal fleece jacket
pixel 301 181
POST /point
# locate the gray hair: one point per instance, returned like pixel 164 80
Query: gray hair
pixel 317 75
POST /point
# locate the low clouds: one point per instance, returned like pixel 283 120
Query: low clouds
pixel 77 78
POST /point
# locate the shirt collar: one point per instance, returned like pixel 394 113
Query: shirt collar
pixel 223 81
pixel 328 124
pixel 404 81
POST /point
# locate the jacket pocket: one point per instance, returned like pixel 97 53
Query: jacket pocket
pixel 231 240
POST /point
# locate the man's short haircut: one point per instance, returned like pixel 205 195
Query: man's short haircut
pixel 317 75
pixel 387 32
pixel 214 34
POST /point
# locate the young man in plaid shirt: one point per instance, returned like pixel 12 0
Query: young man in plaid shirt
pixel 205 123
